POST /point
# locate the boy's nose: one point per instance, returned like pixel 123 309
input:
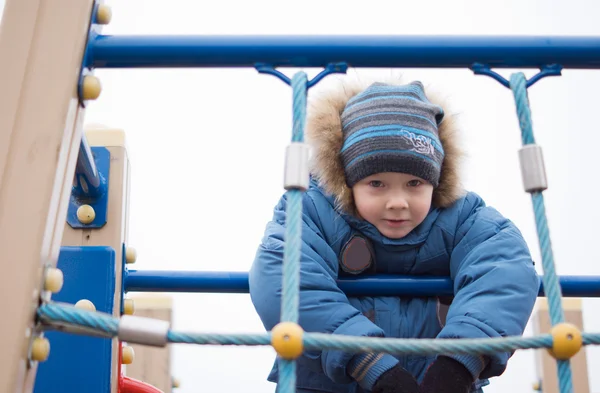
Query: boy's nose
pixel 397 202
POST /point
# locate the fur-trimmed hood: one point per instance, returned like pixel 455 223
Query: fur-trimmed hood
pixel 324 134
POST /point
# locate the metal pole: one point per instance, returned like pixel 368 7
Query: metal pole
pixel 123 51
pixel 237 282
pixel 87 178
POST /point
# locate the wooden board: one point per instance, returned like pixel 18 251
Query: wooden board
pixel 152 365
pixel 41 44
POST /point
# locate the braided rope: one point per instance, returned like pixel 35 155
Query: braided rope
pixel 293 226
pixel 352 344
pixel 105 323
pixel 419 346
pixel 293 238
pixel 591 338
pixel 52 313
pixel 218 339
pixel 518 85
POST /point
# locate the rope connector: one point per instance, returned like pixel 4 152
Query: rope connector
pixel 142 330
pixel 296 176
pixel 287 340
pixel 566 341
pixel 533 170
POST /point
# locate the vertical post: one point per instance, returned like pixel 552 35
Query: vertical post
pixel 114 233
pixel 152 365
pixel 545 363
pixel 42 45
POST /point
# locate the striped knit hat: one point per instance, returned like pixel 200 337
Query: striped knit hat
pixel 390 128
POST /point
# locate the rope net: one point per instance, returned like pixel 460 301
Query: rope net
pixel 290 341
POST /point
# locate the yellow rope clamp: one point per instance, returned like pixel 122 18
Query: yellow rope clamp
pixel 286 339
pixel 566 341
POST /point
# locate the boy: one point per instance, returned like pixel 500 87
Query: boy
pixel 385 198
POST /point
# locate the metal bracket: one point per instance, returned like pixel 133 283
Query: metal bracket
pixel 80 194
pixel 339 68
pixel 547 70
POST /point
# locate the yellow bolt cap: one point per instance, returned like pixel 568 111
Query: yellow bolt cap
pixel 286 339
pixel 175 382
pixel 54 280
pixel 86 214
pixel 130 255
pixel 91 87
pixel 104 14
pixel 40 349
pixel 566 341
pixel 85 305
pixel 128 307
pixel 127 355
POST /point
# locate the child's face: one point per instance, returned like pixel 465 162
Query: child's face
pixel 395 203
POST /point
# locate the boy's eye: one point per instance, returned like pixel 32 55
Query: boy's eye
pixel 375 183
pixel 414 183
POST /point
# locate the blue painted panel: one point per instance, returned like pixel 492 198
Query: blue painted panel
pixel 79 363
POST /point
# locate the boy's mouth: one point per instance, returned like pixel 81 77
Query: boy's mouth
pixel 395 222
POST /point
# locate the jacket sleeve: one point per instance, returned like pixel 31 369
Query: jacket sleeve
pixel 323 307
pixel 495 283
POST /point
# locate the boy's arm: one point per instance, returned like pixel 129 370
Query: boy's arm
pixel 495 284
pixel 324 307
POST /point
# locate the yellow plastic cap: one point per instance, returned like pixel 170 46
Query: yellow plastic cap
pixel 104 14
pixel 54 280
pixel 128 307
pixel 40 349
pixel 175 383
pixel 130 255
pixel 86 214
pixel 91 87
pixel 566 341
pixel 127 355
pixel 286 339
pixel 85 305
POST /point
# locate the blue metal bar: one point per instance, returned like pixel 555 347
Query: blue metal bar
pixel 87 178
pixel 123 51
pixel 237 282
pixel 185 281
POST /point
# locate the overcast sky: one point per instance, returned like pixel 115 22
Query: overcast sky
pixel 201 195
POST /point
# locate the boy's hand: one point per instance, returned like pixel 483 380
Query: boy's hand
pixel 396 380
pixel 446 375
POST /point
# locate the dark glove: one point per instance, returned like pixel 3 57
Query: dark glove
pixel 396 380
pixel 446 375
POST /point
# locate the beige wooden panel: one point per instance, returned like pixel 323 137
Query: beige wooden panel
pixel 151 364
pixel 546 366
pixel 41 47
pixel 114 233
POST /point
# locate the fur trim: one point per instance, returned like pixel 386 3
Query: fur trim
pixel 324 133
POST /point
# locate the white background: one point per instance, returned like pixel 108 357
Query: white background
pixel 207 148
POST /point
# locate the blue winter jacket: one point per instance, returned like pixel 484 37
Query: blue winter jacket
pixel 495 287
